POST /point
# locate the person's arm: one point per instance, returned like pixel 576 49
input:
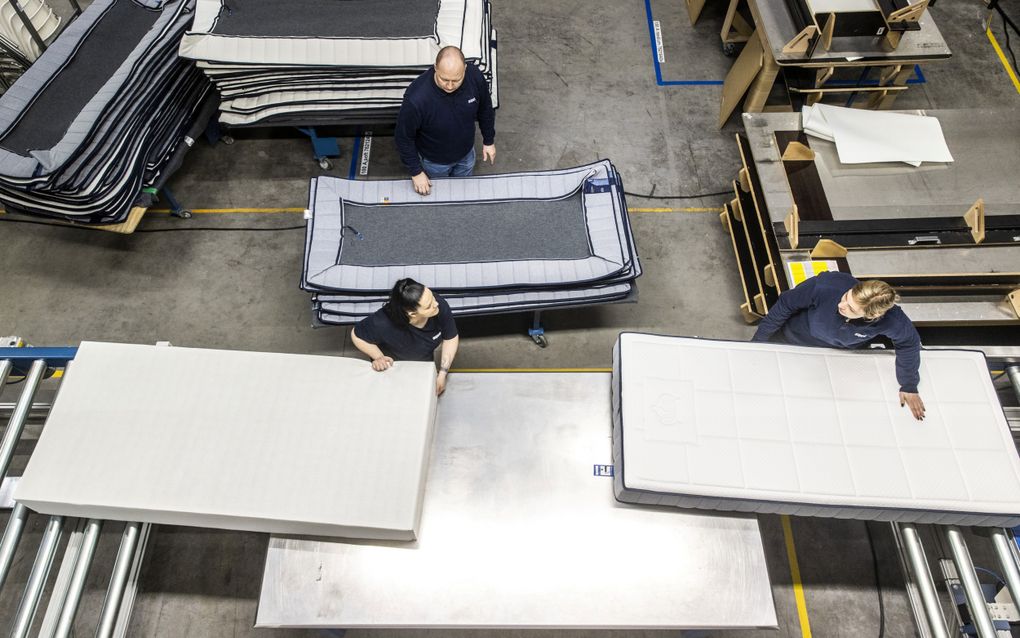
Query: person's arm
pixel 908 364
pixel 408 122
pixel 790 302
pixel 487 121
pixel 447 353
pixel 380 361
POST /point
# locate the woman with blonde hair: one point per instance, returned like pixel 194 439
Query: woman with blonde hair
pixel 835 310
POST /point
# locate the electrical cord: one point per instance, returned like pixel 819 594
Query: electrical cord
pixel 1007 24
pixel 878 580
pixel 174 229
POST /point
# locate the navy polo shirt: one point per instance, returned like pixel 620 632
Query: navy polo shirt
pixel 408 343
pixel 808 316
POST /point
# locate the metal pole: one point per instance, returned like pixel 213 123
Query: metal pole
pixel 922 577
pixel 20 415
pixel 979 615
pixel 5 370
pixel 1013 372
pixel 81 571
pixel 1007 562
pixel 37 579
pixel 9 544
pixel 121 570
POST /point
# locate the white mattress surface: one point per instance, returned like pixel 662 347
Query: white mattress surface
pixel 280 443
pixel 809 431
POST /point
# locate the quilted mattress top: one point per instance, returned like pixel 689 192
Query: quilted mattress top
pixel 810 425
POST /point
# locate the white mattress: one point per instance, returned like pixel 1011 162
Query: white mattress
pixel 770 428
pixel 279 443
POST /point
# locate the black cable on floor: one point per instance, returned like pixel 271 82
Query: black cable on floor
pixel 653 196
pixel 175 229
pixel 878 580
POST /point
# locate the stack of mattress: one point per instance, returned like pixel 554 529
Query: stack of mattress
pixel 106 111
pixel 322 61
pixel 767 428
pixel 490 244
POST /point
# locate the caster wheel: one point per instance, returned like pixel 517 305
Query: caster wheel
pixel 227 139
pixel 540 340
pixel 325 164
pixel 729 49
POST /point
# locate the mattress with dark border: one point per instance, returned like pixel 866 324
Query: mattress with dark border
pixel 99 117
pixel 489 244
pixel 779 429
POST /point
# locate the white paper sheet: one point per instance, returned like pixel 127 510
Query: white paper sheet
pixel 864 137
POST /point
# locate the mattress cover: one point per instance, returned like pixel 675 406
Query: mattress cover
pixel 280 443
pixel 769 428
pixel 457 22
pixel 606 226
pixel 92 122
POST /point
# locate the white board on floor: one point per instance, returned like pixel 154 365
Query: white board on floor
pixel 280 443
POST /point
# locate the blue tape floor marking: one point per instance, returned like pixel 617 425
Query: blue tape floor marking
pixel 355 158
pixel 655 58
pixel 658 69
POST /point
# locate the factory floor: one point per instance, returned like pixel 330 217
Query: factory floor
pixel 577 83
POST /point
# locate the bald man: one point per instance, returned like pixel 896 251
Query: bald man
pixel 436 126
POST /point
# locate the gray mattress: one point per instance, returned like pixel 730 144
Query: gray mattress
pixel 347 19
pixel 102 114
pixel 306 62
pixel 769 428
pixel 490 244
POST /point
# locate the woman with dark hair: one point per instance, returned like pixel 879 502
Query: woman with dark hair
pixel 409 326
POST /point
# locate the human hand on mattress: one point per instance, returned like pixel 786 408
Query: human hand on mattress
pixel 913 401
pixel 421 183
pixel 382 363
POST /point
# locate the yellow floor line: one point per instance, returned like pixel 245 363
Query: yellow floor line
pixel 1002 58
pixel 798 588
pixel 531 370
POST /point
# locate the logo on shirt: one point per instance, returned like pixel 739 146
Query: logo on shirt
pixel 471 100
pixel 438 334
pixel 860 336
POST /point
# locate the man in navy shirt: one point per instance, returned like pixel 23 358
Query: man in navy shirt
pixel 835 310
pixel 412 324
pixel 435 132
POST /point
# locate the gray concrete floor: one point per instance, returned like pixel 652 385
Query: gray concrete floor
pixel 577 83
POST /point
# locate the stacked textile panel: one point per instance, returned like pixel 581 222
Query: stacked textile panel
pixel 106 111
pixel 488 244
pixel 307 62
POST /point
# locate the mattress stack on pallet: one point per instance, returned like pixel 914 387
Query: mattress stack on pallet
pixel 108 110
pixel 308 62
pixel 488 244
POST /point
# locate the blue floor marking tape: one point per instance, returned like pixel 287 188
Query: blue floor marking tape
pixel 355 158
pixel 918 79
pixel 655 59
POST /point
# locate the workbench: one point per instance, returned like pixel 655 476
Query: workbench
pixel 918 228
pixel 812 74
pixel 520 529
